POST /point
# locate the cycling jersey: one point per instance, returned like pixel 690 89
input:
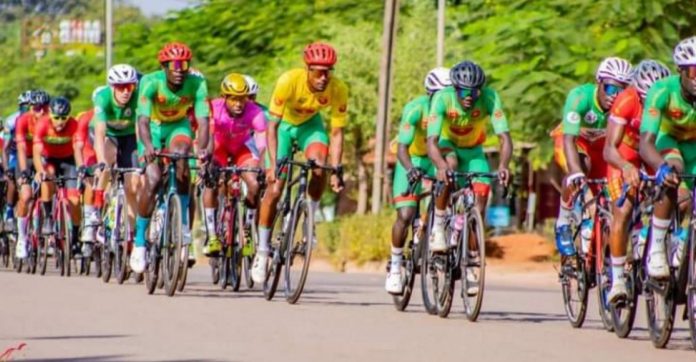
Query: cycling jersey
pixel 162 105
pixel 231 133
pixel 295 103
pixel 627 111
pixel 582 113
pixel 8 134
pixel 413 127
pixel 85 134
pixel 667 111
pixel 120 121
pixel 24 131
pixel 56 144
pixel 465 128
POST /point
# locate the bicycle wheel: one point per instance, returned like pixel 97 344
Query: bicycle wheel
pixel 107 263
pixel 278 241
pixel 623 314
pixel 691 290
pixel 298 251
pixel 66 232
pixel 427 270
pixel 4 251
pixel 172 244
pixel 249 252
pixel 574 285
pixel 121 239
pixel 447 267
pixel 408 276
pixel 473 265
pixel 237 230
pixel 660 308
pixel 153 267
pixel 603 277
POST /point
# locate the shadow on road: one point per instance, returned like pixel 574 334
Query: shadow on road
pixel 102 336
pixel 526 317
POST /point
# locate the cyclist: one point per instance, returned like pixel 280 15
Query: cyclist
pixel 413 162
pixel 9 156
pixel 621 153
pixel 456 132
pixel 56 154
pixel 668 145
pixel 115 142
pixel 579 141
pixel 24 132
pixel 234 118
pixel 297 99
pixel 165 97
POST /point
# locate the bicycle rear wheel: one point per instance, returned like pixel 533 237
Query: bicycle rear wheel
pixel 153 267
pixel 234 231
pixel 660 308
pixel 278 241
pixel 107 263
pixel 427 270
pixel 42 241
pixel 604 278
pixel 172 244
pixel 248 253
pixel 298 252
pixel 473 265
pixel 574 285
pixel 623 314
pixel 4 251
pixel 408 276
pixel 121 240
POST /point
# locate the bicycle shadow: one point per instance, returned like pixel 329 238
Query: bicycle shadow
pixel 523 317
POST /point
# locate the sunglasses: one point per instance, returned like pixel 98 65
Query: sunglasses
pixel 178 65
pixel 129 87
pixel 690 71
pixel 59 119
pixel 236 99
pixel 467 92
pixel 318 73
pixel 612 89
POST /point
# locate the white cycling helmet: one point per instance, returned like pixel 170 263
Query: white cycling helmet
pixel 646 73
pixel 615 68
pixel 685 52
pixel 437 78
pixel 253 86
pixel 122 74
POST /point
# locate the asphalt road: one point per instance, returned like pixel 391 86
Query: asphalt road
pixel 346 317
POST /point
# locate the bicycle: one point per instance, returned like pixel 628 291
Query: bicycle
pixel 465 260
pixel 623 312
pixel 410 264
pixel 117 230
pixel 165 249
pixel 7 231
pixel 287 245
pixel 96 257
pixel 32 260
pixel 592 267
pixel 233 260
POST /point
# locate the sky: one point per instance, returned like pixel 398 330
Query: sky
pixel 159 7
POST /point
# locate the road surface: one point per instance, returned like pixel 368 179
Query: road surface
pixel 341 317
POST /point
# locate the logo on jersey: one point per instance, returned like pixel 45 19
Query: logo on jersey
pixel 476 113
pixel 675 113
pixel 98 109
pixel 406 127
pixel 127 112
pixel 183 100
pixel 343 108
pixel 498 114
pixel 573 118
pixel 653 112
pixel 161 99
pixel 591 117
pixel 278 102
pixel 452 114
pixel 323 100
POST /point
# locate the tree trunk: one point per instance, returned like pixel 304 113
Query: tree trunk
pixel 362 187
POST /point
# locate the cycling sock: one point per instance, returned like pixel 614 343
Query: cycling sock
pixel 264 238
pixel 88 211
pixel 396 256
pixel 141 224
pixel 564 215
pixel 184 209
pixel 439 219
pixel 99 198
pixel 313 206
pixel 617 267
pixel 22 228
pixel 210 220
pixel 9 211
pixel 657 237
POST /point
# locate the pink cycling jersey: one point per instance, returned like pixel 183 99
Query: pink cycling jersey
pixel 232 133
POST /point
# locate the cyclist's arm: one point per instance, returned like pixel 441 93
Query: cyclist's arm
pixel 500 125
pixel 655 102
pixel 407 133
pixel 201 109
pixel 99 141
pixel 272 142
pixel 335 146
pixel 618 119
pixel 78 144
pixel 7 138
pixel 20 139
pixel 259 125
pixel 38 147
pixel 435 120
pixel 143 113
pixel 572 114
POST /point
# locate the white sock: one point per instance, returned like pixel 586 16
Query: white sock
pixel 439 219
pixel 564 215
pixel 22 228
pixel 657 237
pixel 617 268
pixel 210 220
pixel 396 255
pixel 264 240
pixel 313 206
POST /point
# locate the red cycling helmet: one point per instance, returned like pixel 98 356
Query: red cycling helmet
pixel 320 54
pixel 174 51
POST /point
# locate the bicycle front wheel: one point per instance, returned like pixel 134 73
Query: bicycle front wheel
pixel 691 290
pixel 298 252
pixel 66 233
pixel 473 265
pixel 623 314
pixel 408 276
pixel 275 265
pixel 603 277
pixel 172 244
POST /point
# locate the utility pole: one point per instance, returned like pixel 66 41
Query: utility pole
pixel 440 32
pixel 391 7
pixel 109 32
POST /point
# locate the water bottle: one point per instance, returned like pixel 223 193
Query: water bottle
pixel 586 234
pixel 457 226
pixel 678 245
pixel 639 234
pixel 157 224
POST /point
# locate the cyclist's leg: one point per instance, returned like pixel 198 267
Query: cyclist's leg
pixel 618 239
pixel 125 156
pixel 662 213
pixel 179 139
pixel 66 168
pixel 90 212
pixel 474 160
pixel 11 194
pixel 210 202
pixel 438 243
pixel 25 201
pixel 51 167
pixel 146 198
pixel 244 157
pixel 314 142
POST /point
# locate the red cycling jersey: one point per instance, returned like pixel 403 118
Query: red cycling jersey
pixel 83 126
pixel 56 144
pixel 24 131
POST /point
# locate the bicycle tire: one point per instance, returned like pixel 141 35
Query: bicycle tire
pixel 660 333
pixel 576 316
pixel 275 267
pixel 43 243
pixel 303 248
pixel 446 264
pixel 5 251
pixel 172 244
pixel 472 307
pixel 238 240
pixel 248 260
pixel 152 267
pixel 623 316
pixel 603 277
pixel 691 290
pixel 425 268
pixel 408 273
pixel 107 263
